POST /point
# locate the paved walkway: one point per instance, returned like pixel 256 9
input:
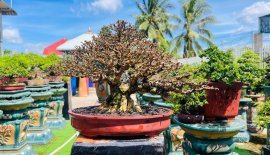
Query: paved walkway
pixel 89 100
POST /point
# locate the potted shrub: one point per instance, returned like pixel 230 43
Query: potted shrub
pixel 37 78
pixel 10 69
pixel 223 73
pixel 251 72
pixel 189 106
pixel 266 86
pixel 263 115
pixel 48 61
pixel 128 62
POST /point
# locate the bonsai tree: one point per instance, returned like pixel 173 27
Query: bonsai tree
pixel 11 67
pixel 124 58
pixel 189 103
pixel 250 70
pixel 222 72
pixel 219 66
pixel 263 114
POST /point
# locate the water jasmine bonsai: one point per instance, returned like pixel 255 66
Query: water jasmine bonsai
pixel 10 69
pixel 189 106
pixel 223 73
pixel 129 63
pixel 251 71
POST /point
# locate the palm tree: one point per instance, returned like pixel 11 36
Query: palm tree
pixel 194 28
pixel 155 20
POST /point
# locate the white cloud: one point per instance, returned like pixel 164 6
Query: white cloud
pixel 248 17
pixel 35 47
pixel 106 5
pixel 12 35
pixel 97 6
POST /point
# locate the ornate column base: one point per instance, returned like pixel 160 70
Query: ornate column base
pixel 189 151
pixel 56 122
pixel 37 136
pixel 23 150
pixel 173 139
pixel 242 137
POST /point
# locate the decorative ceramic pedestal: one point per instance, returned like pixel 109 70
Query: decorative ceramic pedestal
pixel 149 99
pixel 266 148
pixel 102 90
pixel 118 146
pixel 14 122
pixel 243 136
pixel 55 117
pixel 173 135
pixel 210 138
pixel 39 133
pixel 251 115
pixel 267 92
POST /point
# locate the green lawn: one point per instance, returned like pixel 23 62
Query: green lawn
pixel 61 136
pixel 242 151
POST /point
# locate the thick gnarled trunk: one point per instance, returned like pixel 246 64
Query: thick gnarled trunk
pixel 119 101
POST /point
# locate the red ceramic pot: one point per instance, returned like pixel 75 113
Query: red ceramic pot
pixel 4 80
pixel 92 126
pixel 21 79
pixel 224 102
pixel 12 87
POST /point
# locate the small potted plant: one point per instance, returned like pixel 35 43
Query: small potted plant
pixel 266 86
pixel 189 106
pixel 124 58
pixel 223 73
pixel 38 78
pixel 48 61
pixel 10 69
pixel 251 72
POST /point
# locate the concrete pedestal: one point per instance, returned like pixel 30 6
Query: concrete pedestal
pixel 123 146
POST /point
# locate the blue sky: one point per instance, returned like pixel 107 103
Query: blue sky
pixel 42 22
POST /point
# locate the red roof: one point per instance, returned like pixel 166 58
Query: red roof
pixel 51 49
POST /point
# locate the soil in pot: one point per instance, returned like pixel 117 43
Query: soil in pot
pixel 189 118
pixel 96 111
pixel 222 103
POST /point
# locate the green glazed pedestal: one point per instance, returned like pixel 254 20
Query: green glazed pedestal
pixel 243 136
pixel 174 134
pixel 266 92
pixel 149 99
pixel 14 122
pixel 266 148
pixel 39 133
pixel 55 117
pixel 210 137
pixel 251 116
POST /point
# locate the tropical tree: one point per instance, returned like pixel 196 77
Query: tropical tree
pixel 155 20
pixel 194 31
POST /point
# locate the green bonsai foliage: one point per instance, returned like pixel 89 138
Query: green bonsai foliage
pixel 250 70
pixel 191 103
pixel 124 58
pixel 263 114
pixel 219 66
pixel 12 67
pixel 267 72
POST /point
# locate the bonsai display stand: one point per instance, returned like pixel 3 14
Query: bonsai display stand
pixel 56 103
pixel 14 122
pixel 243 136
pixel 210 137
pixel 38 132
pixel 119 146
